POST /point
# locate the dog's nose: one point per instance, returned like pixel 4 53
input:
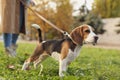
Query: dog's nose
pixel 96 38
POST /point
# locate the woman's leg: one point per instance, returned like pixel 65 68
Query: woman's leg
pixel 7 44
pixel 14 41
pixel 14 38
pixel 21 20
pixel 7 39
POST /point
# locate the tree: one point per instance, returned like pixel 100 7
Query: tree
pixel 107 8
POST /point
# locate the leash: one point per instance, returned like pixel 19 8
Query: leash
pixel 44 19
pixel 66 34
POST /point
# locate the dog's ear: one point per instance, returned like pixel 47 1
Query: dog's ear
pixel 77 35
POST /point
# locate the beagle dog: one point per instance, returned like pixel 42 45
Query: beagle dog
pixel 64 50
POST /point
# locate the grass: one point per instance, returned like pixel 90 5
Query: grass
pixel 92 64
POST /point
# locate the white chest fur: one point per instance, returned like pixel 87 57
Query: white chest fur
pixel 72 55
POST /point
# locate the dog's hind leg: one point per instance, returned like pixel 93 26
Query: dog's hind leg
pixel 26 64
pixel 41 69
pixel 41 58
pixel 37 52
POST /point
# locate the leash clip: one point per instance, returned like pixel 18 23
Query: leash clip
pixel 66 34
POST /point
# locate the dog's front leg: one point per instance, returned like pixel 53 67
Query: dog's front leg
pixel 62 67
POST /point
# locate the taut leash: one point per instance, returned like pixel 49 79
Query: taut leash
pixel 44 19
pixel 48 22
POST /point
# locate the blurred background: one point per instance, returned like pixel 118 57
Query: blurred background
pixel 102 15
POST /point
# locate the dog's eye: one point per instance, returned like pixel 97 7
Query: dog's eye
pixel 87 31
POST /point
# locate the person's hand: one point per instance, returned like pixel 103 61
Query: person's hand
pixel 32 2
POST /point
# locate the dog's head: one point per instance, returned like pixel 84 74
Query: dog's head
pixel 84 33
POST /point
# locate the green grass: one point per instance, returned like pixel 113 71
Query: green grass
pixel 92 64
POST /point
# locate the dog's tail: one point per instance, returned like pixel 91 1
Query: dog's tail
pixel 36 26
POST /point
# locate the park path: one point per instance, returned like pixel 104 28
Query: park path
pixel 110 38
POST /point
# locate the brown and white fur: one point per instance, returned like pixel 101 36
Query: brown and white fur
pixel 64 50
